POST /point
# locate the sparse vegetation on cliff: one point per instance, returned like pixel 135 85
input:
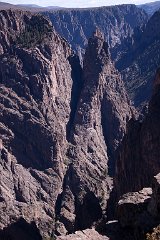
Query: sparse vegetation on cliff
pixel 35 32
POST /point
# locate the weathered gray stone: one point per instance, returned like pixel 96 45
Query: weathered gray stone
pixel 88 234
pixel 99 126
pixel 154 206
pixel 138 161
pixel 57 157
pixel 35 92
pixel 132 208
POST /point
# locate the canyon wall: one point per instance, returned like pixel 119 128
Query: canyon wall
pixel 60 127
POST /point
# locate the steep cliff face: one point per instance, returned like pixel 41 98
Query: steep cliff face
pixel 11 23
pixel 99 125
pixel 60 127
pixel 116 22
pixel 151 7
pixel 141 60
pixel 35 92
pixel 139 157
pixel 138 213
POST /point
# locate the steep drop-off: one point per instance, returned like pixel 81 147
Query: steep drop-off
pixel 137 178
pixel 60 127
pixel 116 22
pixel 35 92
pixel 150 7
pixel 99 125
pixel 140 61
pixel 138 161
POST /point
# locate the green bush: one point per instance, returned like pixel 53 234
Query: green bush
pixel 36 30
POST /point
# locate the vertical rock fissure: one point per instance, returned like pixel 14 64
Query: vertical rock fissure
pixel 76 75
pixel 111 160
pixel 88 212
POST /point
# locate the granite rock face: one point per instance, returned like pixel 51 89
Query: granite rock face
pixel 93 140
pixel 140 60
pixel 154 206
pixel 60 127
pixel 116 22
pixel 138 160
pixel 88 234
pixel 10 24
pixel 21 229
pixel 132 208
pixel 151 7
pixel 138 212
pixel 35 92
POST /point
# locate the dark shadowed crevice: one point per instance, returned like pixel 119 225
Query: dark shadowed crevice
pixel 21 230
pixel 111 205
pixel 28 153
pixel 88 212
pixel 105 129
pixel 76 75
pixel 60 196
pixel 58 205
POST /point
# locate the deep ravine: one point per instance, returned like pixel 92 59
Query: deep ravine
pixel 54 165
pixel 73 150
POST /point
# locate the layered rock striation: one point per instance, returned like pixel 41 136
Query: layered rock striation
pixel 116 22
pixel 138 161
pixel 139 61
pixel 151 7
pixel 60 127
pixel 138 212
pixel 99 125
pixel 35 92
